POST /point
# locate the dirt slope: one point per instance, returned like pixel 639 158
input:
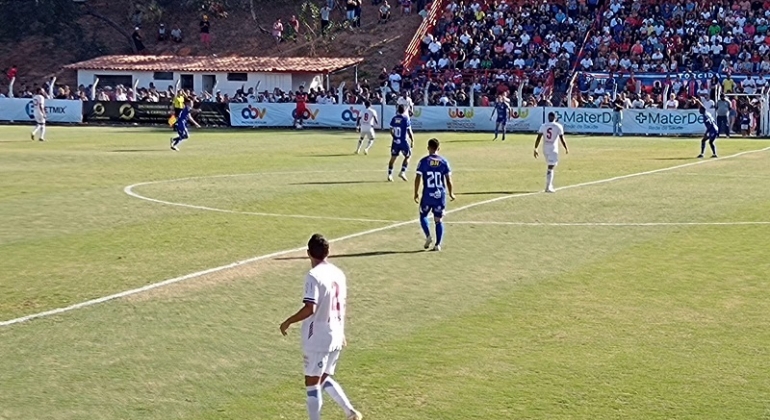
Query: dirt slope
pixel 238 34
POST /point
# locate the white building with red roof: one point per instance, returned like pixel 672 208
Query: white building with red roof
pixel 206 73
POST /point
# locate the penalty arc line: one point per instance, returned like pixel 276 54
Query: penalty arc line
pixel 129 190
pixel 196 274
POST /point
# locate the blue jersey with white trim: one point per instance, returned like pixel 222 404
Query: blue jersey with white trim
pixel 709 122
pixel 400 125
pixel 434 169
pixel 184 115
pixel 502 109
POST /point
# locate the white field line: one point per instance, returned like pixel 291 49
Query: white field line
pixel 196 274
pixel 129 190
pixel 608 224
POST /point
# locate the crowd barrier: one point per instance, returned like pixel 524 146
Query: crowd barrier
pixel 208 114
pixel 433 118
pixel 440 118
pixel 57 110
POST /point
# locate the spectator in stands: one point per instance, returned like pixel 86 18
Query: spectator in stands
pixel 350 11
pixel 137 38
pixel 325 13
pixel 384 12
pixel 162 33
pixel 294 24
pixel 278 31
pixel 357 13
pixel 406 7
pixel 176 34
pixel 424 12
pixel 205 27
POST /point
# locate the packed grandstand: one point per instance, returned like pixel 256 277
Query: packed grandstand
pixel 573 53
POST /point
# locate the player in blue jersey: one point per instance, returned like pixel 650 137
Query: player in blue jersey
pixel 400 129
pixel 434 175
pixel 712 131
pixel 502 109
pixel 181 126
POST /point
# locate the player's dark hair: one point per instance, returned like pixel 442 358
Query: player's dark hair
pixel 551 116
pixel 318 247
pixel 433 144
pixel 367 104
pixel 401 109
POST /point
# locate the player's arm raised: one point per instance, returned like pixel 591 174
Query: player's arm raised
pixel 537 143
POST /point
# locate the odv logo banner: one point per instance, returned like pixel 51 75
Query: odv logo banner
pixel 283 115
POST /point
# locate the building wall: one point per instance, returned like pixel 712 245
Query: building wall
pixel 267 81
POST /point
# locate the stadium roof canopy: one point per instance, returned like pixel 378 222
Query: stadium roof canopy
pixel 233 64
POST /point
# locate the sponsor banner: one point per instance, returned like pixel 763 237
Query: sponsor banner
pixel 452 118
pixel 283 115
pixel 634 121
pixel 212 114
pixel 127 112
pixel 57 110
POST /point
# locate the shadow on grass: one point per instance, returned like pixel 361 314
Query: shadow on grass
pixel 674 158
pixel 357 255
pixel 138 150
pixel 495 192
pixel 331 155
pixel 337 182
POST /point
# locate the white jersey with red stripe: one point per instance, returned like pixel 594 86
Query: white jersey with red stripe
pixel 326 287
pixel 551 132
pixel 368 118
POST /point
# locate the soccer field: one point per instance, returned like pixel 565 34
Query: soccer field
pixel 637 291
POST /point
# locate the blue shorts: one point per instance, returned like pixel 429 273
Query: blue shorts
pixel 401 148
pixel 181 130
pixel 502 121
pixel 435 205
pixel 712 134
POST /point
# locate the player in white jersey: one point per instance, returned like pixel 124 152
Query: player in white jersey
pixel 38 112
pixel 550 132
pixel 367 122
pixel 406 101
pixel 323 328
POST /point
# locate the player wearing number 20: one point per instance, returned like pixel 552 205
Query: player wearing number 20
pixel 323 328
pixel 434 175
pixel 551 132
pixel 400 129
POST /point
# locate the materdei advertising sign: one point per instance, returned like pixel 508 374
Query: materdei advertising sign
pixel 57 110
pixel 634 121
pixel 283 115
pixel 452 118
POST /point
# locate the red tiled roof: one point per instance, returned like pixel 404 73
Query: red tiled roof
pixel 216 64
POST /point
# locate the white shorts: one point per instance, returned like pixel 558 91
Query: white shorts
pixel 39 119
pixel 367 133
pixel 317 364
pixel 552 158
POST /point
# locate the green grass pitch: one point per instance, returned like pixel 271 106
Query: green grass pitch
pixel 640 297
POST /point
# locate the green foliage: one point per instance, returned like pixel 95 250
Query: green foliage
pixel 310 19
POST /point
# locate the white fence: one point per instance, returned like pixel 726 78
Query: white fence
pixel 439 118
pixel 57 110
